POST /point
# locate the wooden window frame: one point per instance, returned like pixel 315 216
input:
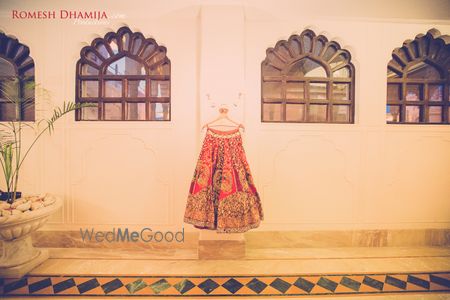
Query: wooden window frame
pixel 102 77
pixel 431 49
pixel 18 55
pixel 317 57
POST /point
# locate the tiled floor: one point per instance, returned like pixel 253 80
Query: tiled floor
pixel 326 273
pixel 237 285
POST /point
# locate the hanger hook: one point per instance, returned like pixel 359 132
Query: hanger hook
pixel 223 110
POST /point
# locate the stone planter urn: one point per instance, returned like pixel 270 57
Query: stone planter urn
pixel 17 222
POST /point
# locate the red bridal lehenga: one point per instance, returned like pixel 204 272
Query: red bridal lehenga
pixel 222 195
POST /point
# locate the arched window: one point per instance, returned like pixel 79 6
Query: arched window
pixel 16 80
pixel 126 77
pixel 307 79
pixel 418 81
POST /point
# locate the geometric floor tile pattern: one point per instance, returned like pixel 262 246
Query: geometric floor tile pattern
pixel 308 285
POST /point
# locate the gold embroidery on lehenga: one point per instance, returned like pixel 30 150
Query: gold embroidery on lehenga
pixel 203 175
pixel 222 194
pixel 200 201
pixel 243 178
pixel 227 181
pixel 236 205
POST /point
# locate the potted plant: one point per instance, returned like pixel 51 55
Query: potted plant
pixel 21 215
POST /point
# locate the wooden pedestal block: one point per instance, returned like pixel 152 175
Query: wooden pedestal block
pixel 212 245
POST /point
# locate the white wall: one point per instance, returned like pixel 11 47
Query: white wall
pixel 310 176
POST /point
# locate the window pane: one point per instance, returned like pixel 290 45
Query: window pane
pixel 156 58
pixel 113 111
pixel 318 46
pixel 435 114
pixel 136 111
pixel 89 113
pixel 7 111
pixel 113 88
pixel 159 111
pixel 28 90
pixel 295 90
pixel 331 50
pixel 102 50
pixel 271 90
pixel 317 113
pixel 6 68
pixel 149 49
pixel 93 58
pixel 306 43
pixel 28 111
pixel 392 74
pixel 272 112
pixel 423 70
pixel 342 73
pixel 295 112
pixel 30 71
pixel 136 88
pixel 136 45
pixel 28 107
pixel 435 92
pixel 318 91
pixel 113 45
pixel 338 60
pixel 89 89
pixel 125 66
pixel 88 70
pixel 414 92
pixel 341 91
pixel 159 88
pixel 10 89
pixel 126 41
pixel 341 113
pixel 307 68
pixel 394 91
pixel 163 69
pixel 392 113
pixel 412 114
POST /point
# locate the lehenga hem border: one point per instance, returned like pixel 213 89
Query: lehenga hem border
pixel 210 226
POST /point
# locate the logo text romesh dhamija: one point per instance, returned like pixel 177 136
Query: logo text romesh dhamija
pixel 61 14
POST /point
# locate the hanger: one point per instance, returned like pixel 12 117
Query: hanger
pixel 223 116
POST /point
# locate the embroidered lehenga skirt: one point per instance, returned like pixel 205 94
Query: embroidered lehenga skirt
pixel 222 195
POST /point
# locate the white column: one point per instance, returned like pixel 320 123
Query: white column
pixel 222 60
pixel 221 83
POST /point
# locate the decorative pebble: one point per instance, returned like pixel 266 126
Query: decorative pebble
pixel 25 206
pixel 4 205
pixel 18 202
pixel 34 198
pixel 49 201
pixel 6 213
pixel 36 205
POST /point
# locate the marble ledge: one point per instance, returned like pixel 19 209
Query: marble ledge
pixel 349 238
pixel 55 266
pixel 266 239
pixel 251 254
